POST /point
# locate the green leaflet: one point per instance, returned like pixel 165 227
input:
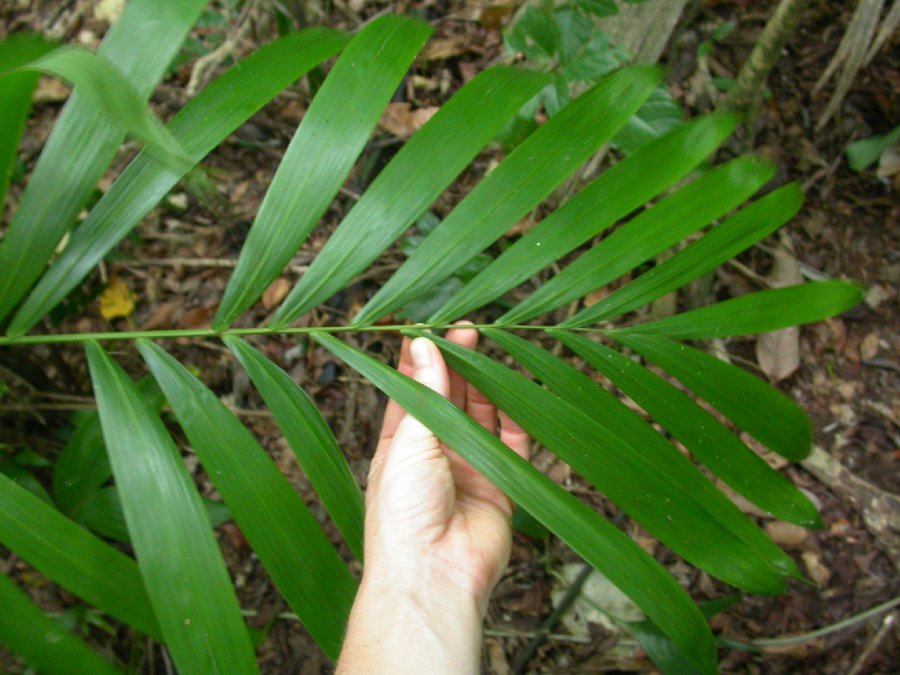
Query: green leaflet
pixel 602 545
pixel 658 115
pixel 102 513
pixel 321 154
pixel 649 233
pixel 516 186
pixel 178 557
pixel 643 481
pixel 311 440
pixel 862 154
pixel 616 193
pixel 101 81
pixel 760 410
pixel 720 244
pixel 760 312
pixel 411 182
pixel 82 466
pixel 664 654
pixel 43 642
pixel 82 144
pixel 199 127
pixel 15 97
pixel 281 530
pixel 688 483
pixel 701 433
pixel 74 558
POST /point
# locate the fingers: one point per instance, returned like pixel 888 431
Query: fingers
pixel 467 338
pixel 514 436
pixel 464 395
pixel 428 369
pixel 481 409
pixel 394 413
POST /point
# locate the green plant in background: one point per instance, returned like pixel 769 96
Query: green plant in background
pixel 176 589
pixel 567 40
pixel 863 154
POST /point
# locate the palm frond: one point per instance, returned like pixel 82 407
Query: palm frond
pixel 83 143
pixel 278 525
pixel 43 642
pixel 179 575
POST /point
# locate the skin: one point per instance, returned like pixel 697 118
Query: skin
pixel 437 535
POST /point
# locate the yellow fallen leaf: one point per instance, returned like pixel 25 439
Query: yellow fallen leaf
pixel 116 300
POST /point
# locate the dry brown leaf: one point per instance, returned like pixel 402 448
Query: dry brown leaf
pixel 560 473
pixel 447 48
pixel 868 349
pixel 497 657
pixel 162 316
pixel 742 502
pixel 50 91
pixel 888 163
pixel 816 568
pixel 877 294
pixel 116 300
pixel 665 306
pixel 402 122
pixel 468 71
pixel 275 293
pixel 527 223
pixel 293 111
pixel 786 534
pixel 198 318
pixel 594 297
pixel 237 194
pixel 778 353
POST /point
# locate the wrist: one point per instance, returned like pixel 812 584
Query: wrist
pixel 411 625
pixel 431 578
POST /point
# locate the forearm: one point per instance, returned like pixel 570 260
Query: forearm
pixel 430 629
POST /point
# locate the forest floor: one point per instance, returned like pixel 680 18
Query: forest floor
pixel 847 375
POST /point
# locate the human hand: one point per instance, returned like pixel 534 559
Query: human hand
pixel 437 534
pixel 426 507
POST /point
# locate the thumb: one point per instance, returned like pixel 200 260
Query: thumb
pixel 428 369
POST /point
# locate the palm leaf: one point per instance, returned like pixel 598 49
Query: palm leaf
pixel 411 182
pixel 321 154
pixel 202 125
pixel 83 466
pixel 701 433
pixel 199 614
pixel 15 97
pixel 102 513
pixel 602 545
pixel 514 188
pixel 763 412
pixel 82 144
pixel 611 446
pixel 720 244
pixel 761 312
pixel 616 193
pixel 276 522
pixel 649 233
pixel 653 483
pixel 73 557
pixel 99 80
pixel 311 440
pixel 43 642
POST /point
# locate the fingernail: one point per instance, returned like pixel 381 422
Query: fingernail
pixel 421 352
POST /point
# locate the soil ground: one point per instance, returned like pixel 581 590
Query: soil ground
pixel 848 376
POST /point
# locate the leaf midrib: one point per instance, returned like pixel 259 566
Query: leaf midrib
pixel 114 336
